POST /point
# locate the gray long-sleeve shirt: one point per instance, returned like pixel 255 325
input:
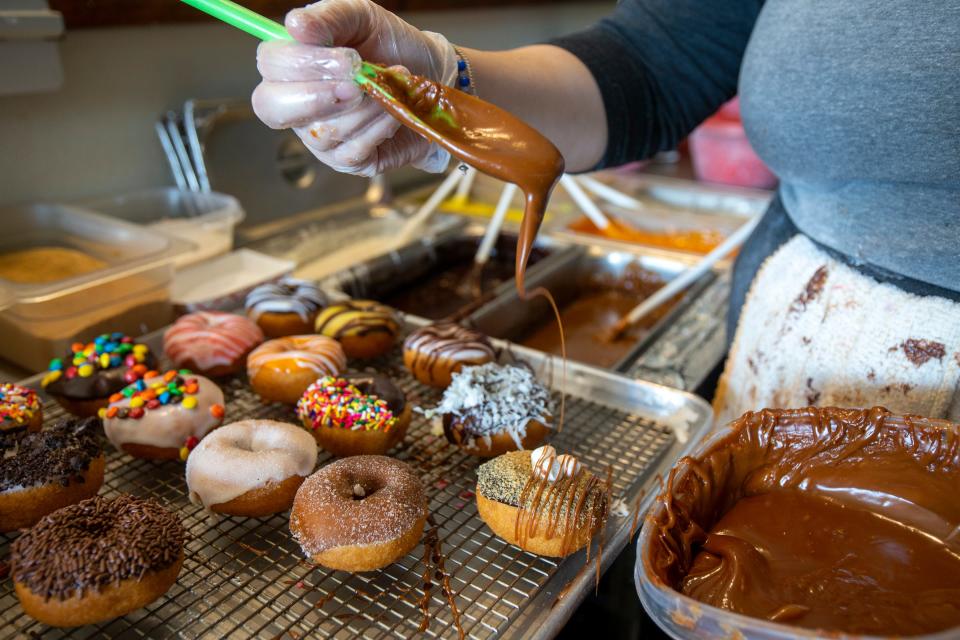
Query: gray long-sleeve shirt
pixel 855 105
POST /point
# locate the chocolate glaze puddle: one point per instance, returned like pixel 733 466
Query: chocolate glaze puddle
pixel 833 519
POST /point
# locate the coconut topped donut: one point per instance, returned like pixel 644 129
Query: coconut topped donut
pixel 493 400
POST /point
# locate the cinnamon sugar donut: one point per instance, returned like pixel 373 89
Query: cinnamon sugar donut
pixel 543 503
pixel 280 370
pixel 212 343
pixel 359 513
pixel 435 352
pixel 365 328
pixel 96 560
pixel 250 468
pixel 164 415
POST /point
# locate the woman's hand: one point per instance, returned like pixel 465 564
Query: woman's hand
pixel 308 85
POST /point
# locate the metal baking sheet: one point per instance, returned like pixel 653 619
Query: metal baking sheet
pixel 568 276
pixel 246 578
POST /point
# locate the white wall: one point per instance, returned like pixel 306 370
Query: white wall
pixel 96 136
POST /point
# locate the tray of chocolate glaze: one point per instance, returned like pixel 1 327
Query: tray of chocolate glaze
pixel 593 287
pixel 432 278
pixel 247 578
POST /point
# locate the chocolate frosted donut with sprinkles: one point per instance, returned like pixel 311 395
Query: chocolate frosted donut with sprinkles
pixel 83 380
pixel 355 414
pixel 50 469
pixel 494 408
pixel 435 352
pixel 164 415
pixel 365 328
pixel 20 412
pixel 97 560
pixel 285 308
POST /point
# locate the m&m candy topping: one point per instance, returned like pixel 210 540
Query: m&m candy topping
pixel 153 391
pixel 107 351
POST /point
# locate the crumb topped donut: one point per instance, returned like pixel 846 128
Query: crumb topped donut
pixel 365 328
pixel 435 352
pixel 50 469
pixel 285 308
pixel 359 513
pixel 494 408
pixel 164 415
pixel 542 502
pixel 20 412
pixel 85 378
pixel 96 560
pixel 212 343
pixel 280 370
pixel 355 414
pixel 250 468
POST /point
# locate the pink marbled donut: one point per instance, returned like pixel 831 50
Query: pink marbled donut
pixel 211 342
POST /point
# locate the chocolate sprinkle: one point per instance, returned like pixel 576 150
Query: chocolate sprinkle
pixel 95 543
pixel 59 454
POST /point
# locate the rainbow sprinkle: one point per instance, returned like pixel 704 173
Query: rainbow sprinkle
pixel 107 351
pixel 334 402
pixel 18 404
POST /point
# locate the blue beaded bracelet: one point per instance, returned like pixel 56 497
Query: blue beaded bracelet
pixel 464 73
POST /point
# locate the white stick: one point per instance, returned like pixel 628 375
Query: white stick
pixel 692 274
pixel 493 228
pixel 463 189
pixel 583 201
pixel 412 227
pixel 609 194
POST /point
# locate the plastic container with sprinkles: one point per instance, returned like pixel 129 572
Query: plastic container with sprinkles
pixel 123 287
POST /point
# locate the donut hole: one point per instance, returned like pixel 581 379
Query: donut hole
pixel 361 487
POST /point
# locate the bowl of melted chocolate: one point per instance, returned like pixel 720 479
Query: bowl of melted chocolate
pixel 809 522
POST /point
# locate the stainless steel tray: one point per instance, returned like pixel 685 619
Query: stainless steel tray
pixel 510 317
pixel 246 578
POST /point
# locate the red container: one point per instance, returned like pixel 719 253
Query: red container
pixel 721 152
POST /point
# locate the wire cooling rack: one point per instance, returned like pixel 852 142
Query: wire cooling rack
pixel 247 578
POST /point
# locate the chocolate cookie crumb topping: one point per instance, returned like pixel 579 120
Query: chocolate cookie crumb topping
pixel 57 455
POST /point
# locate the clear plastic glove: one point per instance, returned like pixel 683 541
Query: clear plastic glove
pixel 308 85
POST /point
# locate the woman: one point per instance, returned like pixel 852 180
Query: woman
pixel 853 274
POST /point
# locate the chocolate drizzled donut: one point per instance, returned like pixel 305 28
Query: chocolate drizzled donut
pixel 356 318
pixel 435 352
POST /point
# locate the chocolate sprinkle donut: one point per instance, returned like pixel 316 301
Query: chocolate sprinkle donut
pixel 95 543
pixel 57 455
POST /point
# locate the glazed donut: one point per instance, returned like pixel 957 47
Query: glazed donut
pixel 50 469
pixel 163 416
pixel 435 352
pixel 20 412
pixel 355 414
pixel 359 513
pixel 365 328
pixel 285 308
pixel 96 560
pixel 211 343
pixel 541 502
pixel 250 468
pixel 280 370
pixel 493 408
pixel 85 378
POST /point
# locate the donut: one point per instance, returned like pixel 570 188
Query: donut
pixel 50 469
pixel 164 415
pixel 96 560
pixel 285 308
pixel 20 412
pixel 250 468
pixel 435 352
pixel 359 513
pixel 211 343
pixel 355 414
pixel 541 502
pixel 85 378
pixel 490 409
pixel 280 370
pixel 365 328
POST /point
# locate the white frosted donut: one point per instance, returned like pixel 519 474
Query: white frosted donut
pixel 166 411
pixel 247 455
pixel 209 341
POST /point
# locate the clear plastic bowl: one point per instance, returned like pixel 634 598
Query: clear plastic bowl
pixel 130 294
pixel 207 220
pixel 684 618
